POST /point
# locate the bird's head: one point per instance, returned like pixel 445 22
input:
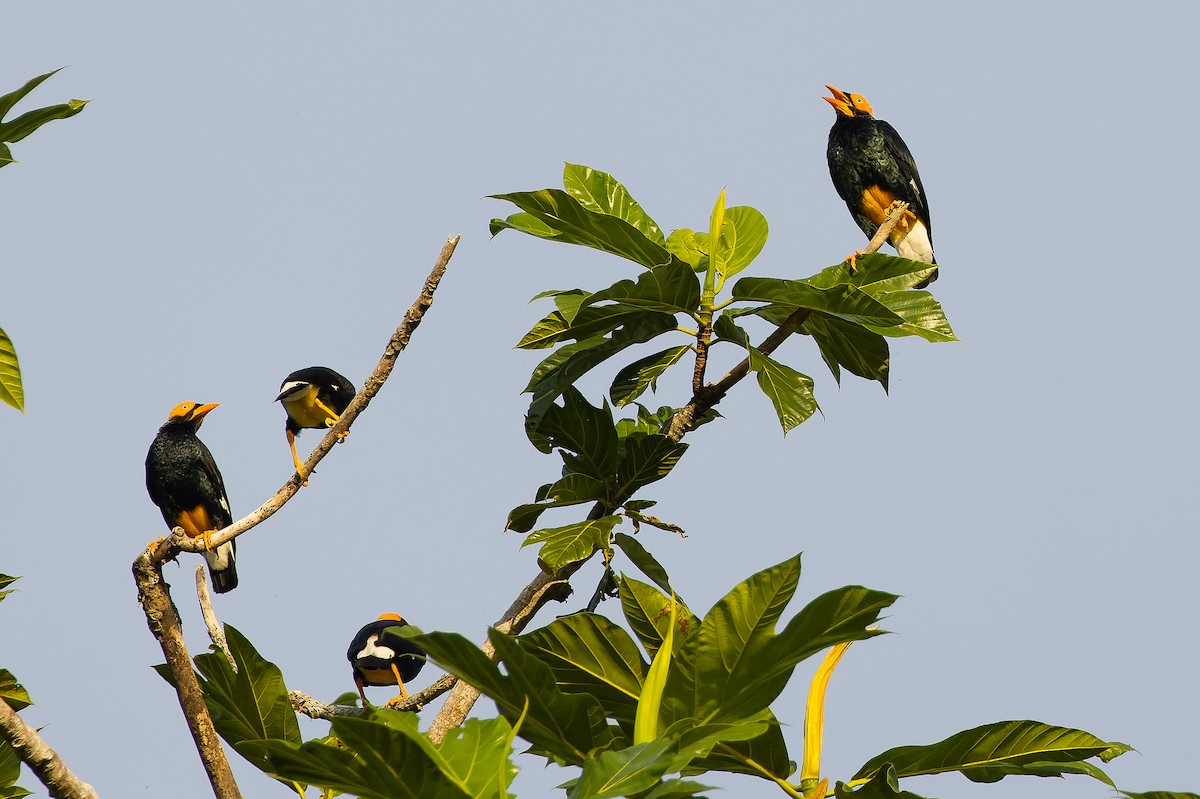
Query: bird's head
pixel 848 105
pixel 291 388
pixel 191 413
pixel 396 617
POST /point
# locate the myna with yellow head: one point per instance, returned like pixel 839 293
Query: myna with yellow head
pixel 872 167
pixel 185 483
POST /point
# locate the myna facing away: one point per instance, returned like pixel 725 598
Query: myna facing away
pixel 380 657
pixel 313 398
pixel 186 485
pixel 871 168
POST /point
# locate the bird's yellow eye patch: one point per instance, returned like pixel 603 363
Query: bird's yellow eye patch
pixel 861 104
pixel 182 410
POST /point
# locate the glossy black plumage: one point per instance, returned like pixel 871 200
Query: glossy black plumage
pixel 313 399
pixel 871 167
pixel 379 657
pixel 184 482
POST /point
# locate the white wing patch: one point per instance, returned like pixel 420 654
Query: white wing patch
pixel 373 649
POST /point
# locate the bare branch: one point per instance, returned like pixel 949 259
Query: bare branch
pixel 154 593
pixel 315 709
pixel 215 632
pixel 399 340
pixel 704 397
pixel 43 761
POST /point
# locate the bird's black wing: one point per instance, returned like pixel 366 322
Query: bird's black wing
pixel 908 186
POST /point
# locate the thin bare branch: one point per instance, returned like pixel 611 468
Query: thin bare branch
pixel 704 397
pixel 215 632
pixel 43 761
pixel 316 709
pixel 154 593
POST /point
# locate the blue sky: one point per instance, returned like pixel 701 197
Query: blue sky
pixel 261 187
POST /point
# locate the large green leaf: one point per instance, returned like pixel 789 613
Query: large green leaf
pixel 601 193
pixel 478 755
pixel 645 459
pixel 571 361
pixel 589 654
pixel 882 786
pixel 671 288
pixel 790 392
pixel 922 314
pixel 609 774
pixel 573 542
pixel 683 244
pixel 12 392
pixel 992 751
pixel 676 789
pixel 575 224
pixel 863 352
pixel 588 322
pixel 572 489
pixel 764 756
pixel 251 704
pixel 648 612
pixel 874 273
pixel 14 130
pixel 642 558
pixel 585 435
pixel 562 726
pixel 12 692
pixel 696 741
pixel 845 301
pixel 1161 795
pixel 751 227
pixel 632 381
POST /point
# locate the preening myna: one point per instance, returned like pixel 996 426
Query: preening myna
pixel 379 657
pixel 871 168
pixel 314 398
pixel 186 485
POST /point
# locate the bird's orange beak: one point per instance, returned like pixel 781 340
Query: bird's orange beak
pixel 840 101
pixel 203 410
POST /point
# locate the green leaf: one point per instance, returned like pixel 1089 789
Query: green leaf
pixel 1161 795
pixel 922 314
pixel 648 718
pixel 646 562
pixel 585 435
pixel 601 193
pixel 12 692
pixel 845 301
pixel 875 273
pixel 646 459
pixel 648 612
pixel 12 98
pixel 671 288
pixel 477 754
pixel 609 774
pixel 883 785
pixel 574 224
pixel 853 346
pixel 251 704
pixel 676 789
pixel 588 322
pixel 728 330
pixel 14 792
pixel 632 381
pixel 562 726
pixel 589 654
pixel 571 361
pixel 764 756
pixel 573 542
pixel 789 391
pixel 16 129
pixel 573 489
pixel 10 765
pixel 751 227
pixel 985 751
pixel 5 582
pixel 11 390
pixel 683 244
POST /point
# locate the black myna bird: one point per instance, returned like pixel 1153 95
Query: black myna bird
pixel 871 168
pixel 314 398
pixel 186 485
pixel 380 657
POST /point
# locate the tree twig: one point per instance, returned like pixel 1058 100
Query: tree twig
pixel 43 761
pixel 215 633
pixel 154 593
pixel 537 592
pixel 316 709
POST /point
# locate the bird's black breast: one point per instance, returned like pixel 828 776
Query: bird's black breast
pixel 181 474
pixel 865 152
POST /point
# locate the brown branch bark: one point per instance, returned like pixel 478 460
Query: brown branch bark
pixel 43 761
pixel 154 593
pixel 537 592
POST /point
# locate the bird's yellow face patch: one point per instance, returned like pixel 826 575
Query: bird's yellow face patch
pixel 190 410
pixel 848 104
pixel 195 522
pixel 302 406
pixel 860 105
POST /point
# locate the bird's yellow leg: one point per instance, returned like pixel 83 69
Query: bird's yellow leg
pixel 403 691
pixel 206 536
pixel 852 260
pixel 331 418
pixel 153 545
pixel 291 437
